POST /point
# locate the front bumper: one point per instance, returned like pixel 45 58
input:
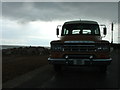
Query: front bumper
pixel 63 61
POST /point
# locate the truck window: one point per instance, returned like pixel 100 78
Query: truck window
pixel 96 31
pixel 65 31
pixel 86 31
pixel 80 29
pixel 76 31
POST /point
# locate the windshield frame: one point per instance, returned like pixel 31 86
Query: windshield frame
pixel 79 24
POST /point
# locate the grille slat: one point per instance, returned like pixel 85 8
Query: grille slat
pixel 82 48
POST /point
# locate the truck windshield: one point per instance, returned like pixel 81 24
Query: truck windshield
pixel 80 29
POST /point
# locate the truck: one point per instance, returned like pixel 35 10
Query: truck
pixel 80 44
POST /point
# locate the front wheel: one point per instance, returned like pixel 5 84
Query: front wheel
pixel 57 67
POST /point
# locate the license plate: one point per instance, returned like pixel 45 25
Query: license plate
pixel 78 62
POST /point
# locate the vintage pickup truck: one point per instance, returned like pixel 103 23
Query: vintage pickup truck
pixel 80 44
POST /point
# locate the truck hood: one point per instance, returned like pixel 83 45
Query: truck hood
pixel 81 38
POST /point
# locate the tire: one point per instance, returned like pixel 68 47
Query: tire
pixel 103 69
pixel 57 68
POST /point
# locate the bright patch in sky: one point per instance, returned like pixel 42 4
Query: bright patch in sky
pixel 33 33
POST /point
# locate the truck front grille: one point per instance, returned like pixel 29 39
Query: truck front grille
pixel 79 48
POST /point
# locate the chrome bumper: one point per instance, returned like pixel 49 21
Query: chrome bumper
pixel 79 61
pixel 62 59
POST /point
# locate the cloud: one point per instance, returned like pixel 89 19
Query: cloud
pixel 15 33
pixel 34 23
pixel 50 11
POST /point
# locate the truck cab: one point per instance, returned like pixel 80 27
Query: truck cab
pixel 80 44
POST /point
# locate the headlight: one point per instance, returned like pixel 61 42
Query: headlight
pixel 102 48
pixel 57 48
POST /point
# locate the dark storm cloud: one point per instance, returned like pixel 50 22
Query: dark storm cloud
pixel 47 11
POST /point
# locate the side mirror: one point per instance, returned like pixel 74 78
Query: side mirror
pixel 104 30
pixel 57 31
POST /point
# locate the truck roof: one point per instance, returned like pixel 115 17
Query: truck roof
pixel 81 22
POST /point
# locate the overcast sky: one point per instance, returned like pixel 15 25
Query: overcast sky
pixel 34 23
